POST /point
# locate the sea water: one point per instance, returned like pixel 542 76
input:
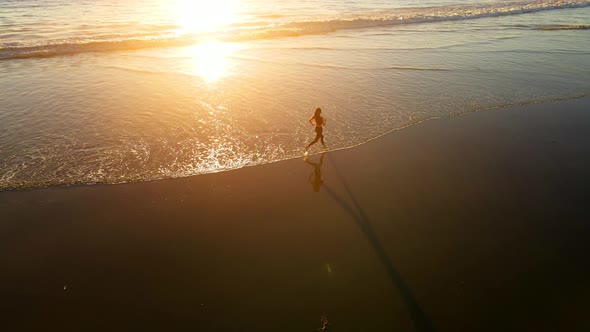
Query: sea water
pixel 106 91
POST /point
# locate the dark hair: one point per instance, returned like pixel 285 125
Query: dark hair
pixel 317 116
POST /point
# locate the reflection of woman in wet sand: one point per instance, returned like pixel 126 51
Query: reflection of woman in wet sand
pixel 317 180
pixel 318 122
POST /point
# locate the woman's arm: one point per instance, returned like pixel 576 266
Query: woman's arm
pixel 311 123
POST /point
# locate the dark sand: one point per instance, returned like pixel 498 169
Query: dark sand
pixel 472 223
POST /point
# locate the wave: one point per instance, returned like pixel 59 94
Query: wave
pixel 370 68
pixel 69 48
pixel 285 28
pixel 405 16
pixel 564 27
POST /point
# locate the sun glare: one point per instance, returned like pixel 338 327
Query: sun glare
pixel 199 16
pixel 211 60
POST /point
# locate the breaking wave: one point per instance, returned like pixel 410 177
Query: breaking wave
pixel 280 27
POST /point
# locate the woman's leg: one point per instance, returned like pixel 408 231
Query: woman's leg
pixel 317 138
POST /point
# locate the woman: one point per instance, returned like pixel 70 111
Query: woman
pixel 318 122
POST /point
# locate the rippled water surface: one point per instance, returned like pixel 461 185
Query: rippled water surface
pixel 111 91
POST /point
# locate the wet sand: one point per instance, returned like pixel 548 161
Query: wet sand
pixel 472 223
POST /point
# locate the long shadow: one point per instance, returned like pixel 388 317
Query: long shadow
pixel 419 318
pixel 315 179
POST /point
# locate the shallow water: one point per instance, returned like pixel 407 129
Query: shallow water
pixel 152 92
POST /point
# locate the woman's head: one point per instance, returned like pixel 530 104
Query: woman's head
pixel 318 111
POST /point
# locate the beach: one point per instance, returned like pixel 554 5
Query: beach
pixel 152 175
pixel 476 222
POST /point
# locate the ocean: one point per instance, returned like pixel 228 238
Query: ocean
pixel 110 91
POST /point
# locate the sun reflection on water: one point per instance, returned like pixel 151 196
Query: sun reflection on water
pixel 211 60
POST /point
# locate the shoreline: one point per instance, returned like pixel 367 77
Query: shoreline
pixel 468 223
pixel 286 159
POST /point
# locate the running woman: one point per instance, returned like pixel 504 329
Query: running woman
pixel 318 122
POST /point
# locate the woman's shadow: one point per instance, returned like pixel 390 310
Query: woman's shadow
pixel 419 318
pixel 315 178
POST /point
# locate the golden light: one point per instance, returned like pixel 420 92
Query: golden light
pixel 211 60
pixel 198 16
